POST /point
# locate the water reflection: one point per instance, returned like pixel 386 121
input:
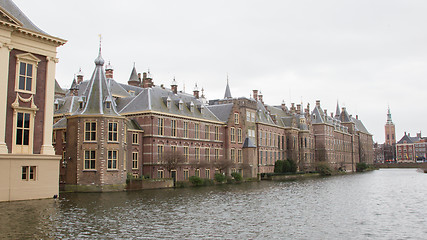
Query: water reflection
pixel 381 204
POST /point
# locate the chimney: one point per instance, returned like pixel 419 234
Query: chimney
pixel 80 76
pixel 255 94
pixel 299 108
pixel 326 112
pixel 419 135
pixel 147 81
pixel 357 117
pixel 409 134
pixel 405 133
pixel 292 107
pixel 318 103
pixel 174 86
pixel 139 76
pixel 308 107
pixel 260 98
pixel 109 70
pixel 332 115
pixel 196 91
pixel 283 106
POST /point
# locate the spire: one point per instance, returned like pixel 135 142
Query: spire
pixel 227 90
pixel 133 75
pixel 97 96
pixel 99 60
pixel 338 112
pixel 389 121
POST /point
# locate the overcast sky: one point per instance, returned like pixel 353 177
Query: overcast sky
pixel 365 54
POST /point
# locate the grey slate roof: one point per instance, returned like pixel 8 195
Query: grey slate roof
pixel 67 105
pixel 221 111
pixel 262 115
pixel 408 139
pixel 156 98
pixel 13 10
pixel 97 93
pixel 360 126
pixel 62 123
pixel 133 75
pixel 58 88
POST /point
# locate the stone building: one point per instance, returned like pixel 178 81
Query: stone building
pixel 28 165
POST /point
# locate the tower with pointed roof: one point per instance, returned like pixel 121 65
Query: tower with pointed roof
pixel 390 132
pixel 133 79
pixel 227 93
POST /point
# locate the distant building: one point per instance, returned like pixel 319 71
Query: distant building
pixel 28 165
pixel 389 146
pixel 411 149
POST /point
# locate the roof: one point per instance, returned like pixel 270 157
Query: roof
pixel 24 21
pixel 58 89
pixel 249 143
pixel 62 123
pixel 408 139
pixel 359 126
pixel 97 93
pixel 221 111
pixel 133 75
pixel 227 93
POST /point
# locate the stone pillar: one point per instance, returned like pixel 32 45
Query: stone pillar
pixel 4 80
pixel 47 147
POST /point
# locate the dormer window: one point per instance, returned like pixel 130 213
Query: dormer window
pixel 181 105
pixel 108 105
pixel 192 107
pixel 169 103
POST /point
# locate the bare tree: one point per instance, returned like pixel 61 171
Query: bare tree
pixel 171 160
pixel 223 164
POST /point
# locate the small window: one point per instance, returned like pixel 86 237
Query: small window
pixel 236 118
pixel 89 160
pixel 207 173
pixel 112 160
pixel 112 132
pixel 197 173
pixel 135 160
pixel 186 174
pixel 28 173
pixel 135 138
pixel 90 131
pixel 186 153
pixel 160 174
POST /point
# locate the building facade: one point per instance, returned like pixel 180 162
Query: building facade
pixel 28 164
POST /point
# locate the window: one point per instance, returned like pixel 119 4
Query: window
pixel 233 155
pixel 186 154
pixel 239 135
pixel 135 160
pixel 90 131
pixel 28 173
pixel 112 132
pixel 207 154
pixel 54 137
pixel 23 129
pixel 252 117
pixel 161 127
pixel 248 116
pixel 216 153
pixel 173 149
pixel 186 129
pixel 173 128
pixel 260 138
pixel 260 157
pixel 196 130
pixel 134 138
pixel 160 174
pixel 89 160
pixel 186 174
pixel 232 135
pixel 216 133
pixel 207 133
pixel 197 173
pixel 207 173
pixel 239 156
pixel 112 160
pixel 197 154
pixel 236 118
pixel 26 72
pixel 160 150
pixel 64 136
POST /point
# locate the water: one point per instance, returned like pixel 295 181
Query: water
pixel 384 204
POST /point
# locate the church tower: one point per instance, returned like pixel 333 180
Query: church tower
pixel 390 136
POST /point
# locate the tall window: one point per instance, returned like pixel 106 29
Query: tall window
pixel 160 150
pixel 173 128
pixel 161 126
pixel 23 129
pixel 207 133
pixel 197 154
pixel 134 138
pixel 64 136
pixel 90 160
pixel 197 173
pixel 186 153
pixel 112 160
pixel 239 135
pixel 216 153
pixel 216 133
pixel 260 157
pixel 186 174
pixel 207 173
pixel 233 155
pixel 236 118
pixel 173 149
pixel 25 77
pixel 112 132
pixel 135 160
pixel 90 131
pixel 160 174
pixel 186 129
pixel 196 130
pixel 260 138
pixel 232 135
pixel 239 155
pixel 207 154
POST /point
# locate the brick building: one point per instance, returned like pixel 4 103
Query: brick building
pixel 28 165
pixel 227 135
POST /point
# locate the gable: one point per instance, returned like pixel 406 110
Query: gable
pixel 5 17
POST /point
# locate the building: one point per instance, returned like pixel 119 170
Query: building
pixel 28 164
pixel 389 146
pixel 243 135
pixel 411 149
